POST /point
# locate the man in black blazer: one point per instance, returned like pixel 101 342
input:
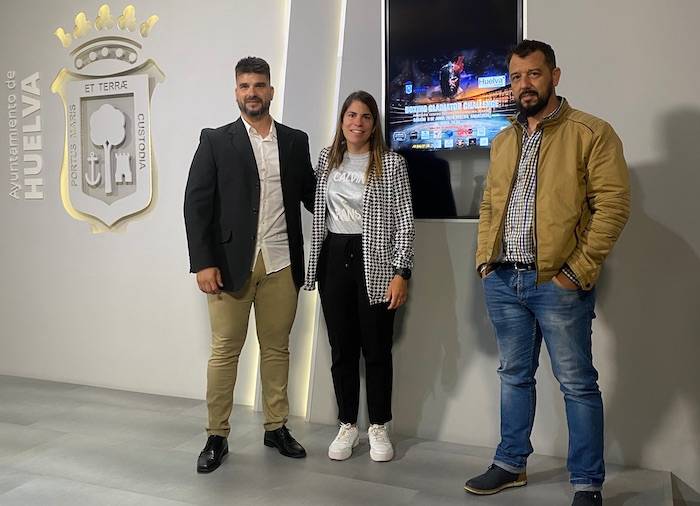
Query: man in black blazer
pixel 243 221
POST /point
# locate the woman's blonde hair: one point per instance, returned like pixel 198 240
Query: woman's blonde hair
pixel 376 138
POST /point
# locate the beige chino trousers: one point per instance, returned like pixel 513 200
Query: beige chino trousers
pixel 274 297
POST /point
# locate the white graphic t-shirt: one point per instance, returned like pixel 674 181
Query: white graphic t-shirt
pixel 346 186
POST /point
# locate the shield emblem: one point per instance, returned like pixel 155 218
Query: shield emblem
pixel 107 172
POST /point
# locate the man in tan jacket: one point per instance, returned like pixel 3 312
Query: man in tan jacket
pixel 555 202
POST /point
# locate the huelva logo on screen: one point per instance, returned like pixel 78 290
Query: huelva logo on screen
pixel 108 170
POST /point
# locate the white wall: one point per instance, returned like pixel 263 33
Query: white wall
pixel 119 309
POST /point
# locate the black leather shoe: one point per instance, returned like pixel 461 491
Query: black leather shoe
pixel 284 442
pixel 494 480
pixel 587 498
pixel 213 454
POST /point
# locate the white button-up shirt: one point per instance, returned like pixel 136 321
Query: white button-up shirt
pixel 272 237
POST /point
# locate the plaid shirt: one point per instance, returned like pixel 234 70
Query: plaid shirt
pixel 387 224
pixel 518 236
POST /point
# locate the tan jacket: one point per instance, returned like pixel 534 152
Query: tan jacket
pixel 582 197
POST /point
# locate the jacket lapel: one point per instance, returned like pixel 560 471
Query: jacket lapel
pixel 241 142
pixel 284 147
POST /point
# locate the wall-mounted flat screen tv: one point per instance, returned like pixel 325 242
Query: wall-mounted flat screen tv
pixel 447 84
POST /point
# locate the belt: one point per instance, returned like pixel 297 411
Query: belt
pixel 518 266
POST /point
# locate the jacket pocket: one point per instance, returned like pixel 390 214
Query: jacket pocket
pixel 224 235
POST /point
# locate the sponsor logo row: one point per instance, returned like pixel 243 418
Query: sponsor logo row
pixel 446 138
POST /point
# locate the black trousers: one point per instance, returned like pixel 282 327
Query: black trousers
pixel 355 326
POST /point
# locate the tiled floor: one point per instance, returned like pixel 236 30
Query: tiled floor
pixel 71 445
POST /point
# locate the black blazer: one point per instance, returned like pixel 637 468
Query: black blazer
pixel 222 199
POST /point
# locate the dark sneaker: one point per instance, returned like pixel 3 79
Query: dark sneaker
pixel 494 480
pixel 587 498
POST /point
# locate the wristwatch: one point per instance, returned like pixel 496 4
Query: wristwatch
pixel 404 272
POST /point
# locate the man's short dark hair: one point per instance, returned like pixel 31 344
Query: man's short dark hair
pixel 527 47
pixel 253 65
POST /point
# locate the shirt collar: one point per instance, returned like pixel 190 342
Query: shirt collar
pixel 522 119
pixel 252 131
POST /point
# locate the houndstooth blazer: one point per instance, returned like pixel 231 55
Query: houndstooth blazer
pixel 387 224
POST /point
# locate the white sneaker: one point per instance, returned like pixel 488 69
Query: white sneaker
pixel 380 447
pixel 348 438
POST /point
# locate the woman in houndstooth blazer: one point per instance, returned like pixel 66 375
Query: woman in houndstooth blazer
pixel 362 256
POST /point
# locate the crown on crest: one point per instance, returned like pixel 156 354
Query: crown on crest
pixel 111 46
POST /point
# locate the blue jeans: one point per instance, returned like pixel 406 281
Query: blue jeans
pixel 522 314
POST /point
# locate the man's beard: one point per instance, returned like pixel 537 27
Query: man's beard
pixel 538 105
pixel 264 109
